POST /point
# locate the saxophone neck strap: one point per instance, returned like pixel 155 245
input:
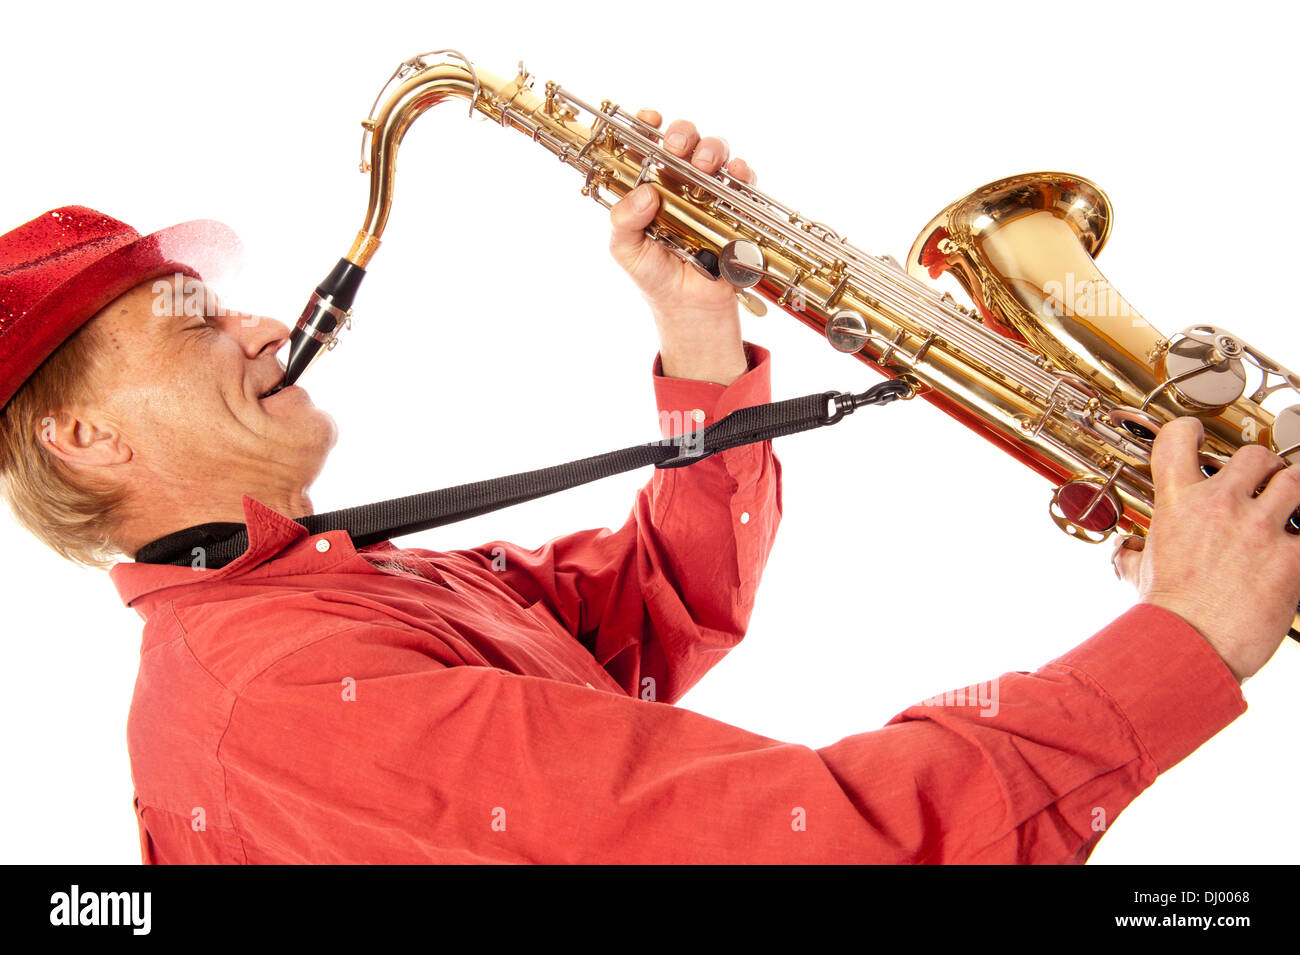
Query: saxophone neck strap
pixel 223 542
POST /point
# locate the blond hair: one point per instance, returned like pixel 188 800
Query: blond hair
pixel 72 517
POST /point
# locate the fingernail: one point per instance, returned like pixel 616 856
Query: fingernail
pixel 676 140
pixel 704 154
pixel 641 198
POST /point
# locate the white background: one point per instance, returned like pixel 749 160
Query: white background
pixel 494 333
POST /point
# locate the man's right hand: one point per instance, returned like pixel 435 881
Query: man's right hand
pixel 1217 555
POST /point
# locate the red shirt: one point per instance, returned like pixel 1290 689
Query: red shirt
pixel 499 704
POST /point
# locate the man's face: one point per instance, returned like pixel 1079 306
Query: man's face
pixel 183 385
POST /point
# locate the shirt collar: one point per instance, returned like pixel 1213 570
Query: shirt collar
pixel 272 539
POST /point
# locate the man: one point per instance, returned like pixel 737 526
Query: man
pixel 315 702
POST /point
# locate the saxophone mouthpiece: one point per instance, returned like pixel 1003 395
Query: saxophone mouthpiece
pixel 328 312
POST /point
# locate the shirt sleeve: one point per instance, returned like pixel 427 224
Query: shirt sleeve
pixel 661 600
pixel 471 764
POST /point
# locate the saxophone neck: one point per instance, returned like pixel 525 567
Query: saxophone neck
pixel 416 86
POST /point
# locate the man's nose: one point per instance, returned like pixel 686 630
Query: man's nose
pixel 261 332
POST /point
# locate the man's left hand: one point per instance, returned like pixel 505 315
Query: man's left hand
pixel 698 319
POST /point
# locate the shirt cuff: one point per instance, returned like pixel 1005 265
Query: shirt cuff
pixel 1165 678
pixel 686 404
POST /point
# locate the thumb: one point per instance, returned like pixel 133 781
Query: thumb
pixel 1127 561
pixel 628 218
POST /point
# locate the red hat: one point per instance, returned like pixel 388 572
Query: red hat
pixel 60 269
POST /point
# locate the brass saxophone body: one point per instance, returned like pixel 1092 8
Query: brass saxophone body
pixel 1050 363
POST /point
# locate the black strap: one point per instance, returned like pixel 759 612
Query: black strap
pixel 223 541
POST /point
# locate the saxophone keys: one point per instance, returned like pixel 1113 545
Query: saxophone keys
pixel 1210 463
pixel 1284 435
pixel 1086 509
pixel 1137 423
pixel 1285 438
pixel 1125 542
pixel 741 263
pixel 1205 374
pixel 705 262
pixel 1131 542
pixel 753 304
pixel 847 331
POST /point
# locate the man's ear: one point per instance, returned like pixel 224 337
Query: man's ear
pixel 83 438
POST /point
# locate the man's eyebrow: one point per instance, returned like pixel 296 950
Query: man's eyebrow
pixel 184 310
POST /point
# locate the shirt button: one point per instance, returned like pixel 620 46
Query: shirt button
pixel 322 545
pixel 744 517
pixel 697 415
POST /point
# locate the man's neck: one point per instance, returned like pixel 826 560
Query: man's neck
pixel 157 518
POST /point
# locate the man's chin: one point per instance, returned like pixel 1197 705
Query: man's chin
pixel 333 428
pixel 315 426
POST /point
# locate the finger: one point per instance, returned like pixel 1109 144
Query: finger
pixel 1282 496
pixel 710 154
pixel 651 117
pixel 681 138
pixel 1127 563
pixel 739 169
pixel 1174 464
pixel 1249 469
pixel 628 218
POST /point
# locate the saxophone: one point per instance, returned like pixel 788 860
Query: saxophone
pixel 1049 362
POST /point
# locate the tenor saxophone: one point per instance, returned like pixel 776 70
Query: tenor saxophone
pixel 1047 361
